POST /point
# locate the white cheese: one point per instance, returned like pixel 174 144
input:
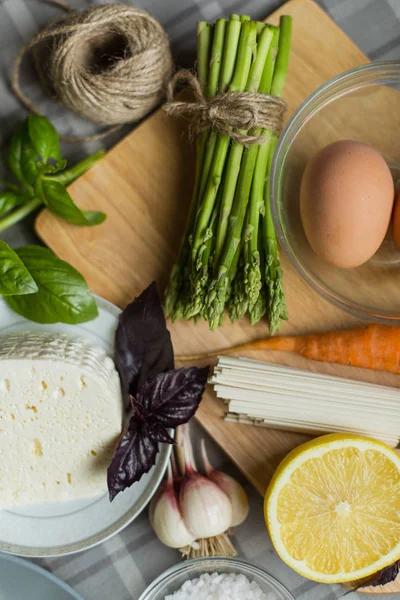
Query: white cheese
pixel 61 414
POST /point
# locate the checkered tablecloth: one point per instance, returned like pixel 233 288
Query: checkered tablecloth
pixel 122 567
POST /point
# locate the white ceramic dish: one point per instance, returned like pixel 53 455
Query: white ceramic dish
pixel 21 579
pixel 68 527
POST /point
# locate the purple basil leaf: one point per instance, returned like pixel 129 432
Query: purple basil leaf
pixel 143 347
pixel 135 455
pixel 159 433
pixel 141 412
pixel 172 398
pixel 387 575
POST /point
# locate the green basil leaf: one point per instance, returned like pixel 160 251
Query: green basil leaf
pixel 8 200
pixel 14 276
pixel 58 200
pixel 14 155
pixel 63 295
pixel 44 137
pixel 28 157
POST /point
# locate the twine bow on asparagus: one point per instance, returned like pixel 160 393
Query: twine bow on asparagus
pixel 231 113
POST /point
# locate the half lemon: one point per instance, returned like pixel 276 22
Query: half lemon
pixel 333 508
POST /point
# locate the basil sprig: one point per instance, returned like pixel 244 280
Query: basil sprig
pixel 34 282
pixel 41 287
pixel 35 161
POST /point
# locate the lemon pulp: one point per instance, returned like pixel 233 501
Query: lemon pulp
pixel 333 508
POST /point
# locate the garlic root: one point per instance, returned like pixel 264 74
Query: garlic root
pixel 219 545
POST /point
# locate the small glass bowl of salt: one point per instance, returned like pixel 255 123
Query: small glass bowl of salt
pixel 216 579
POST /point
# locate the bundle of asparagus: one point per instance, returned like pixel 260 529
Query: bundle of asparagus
pixel 229 253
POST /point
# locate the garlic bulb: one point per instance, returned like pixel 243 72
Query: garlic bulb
pixel 206 509
pixel 194 512
pixel 166 517
pixel 231 487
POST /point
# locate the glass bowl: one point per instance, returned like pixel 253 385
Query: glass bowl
pixel 171 580
pixel 360 104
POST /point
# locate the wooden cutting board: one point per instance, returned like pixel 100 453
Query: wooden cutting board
pixel 144 185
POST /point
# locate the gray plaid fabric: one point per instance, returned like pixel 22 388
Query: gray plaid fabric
pixel 122 567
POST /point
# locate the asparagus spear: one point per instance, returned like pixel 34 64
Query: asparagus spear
pixel 236 152
pixel 277 310
pixel 237 302
pixel 212 89
pixel 246 49
pixel 227 71
pixel 200 278
pixel 174 287
pixel 273 274
pixel 252 272
pixel 208 77
pixel 227 68
pixel 216 300
pixel 230 52
pixel 222 75
pixel 199 271
pixel 258 309
pixel 252 288
pixel 216 57
pixel 185 307
pixel 232 272
pixel 204 39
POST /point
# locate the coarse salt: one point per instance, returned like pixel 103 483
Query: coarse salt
pixel 221 586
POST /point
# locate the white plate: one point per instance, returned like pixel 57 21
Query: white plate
pixel 21 579
pixel 68 527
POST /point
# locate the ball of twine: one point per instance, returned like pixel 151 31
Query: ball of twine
pixel 109 64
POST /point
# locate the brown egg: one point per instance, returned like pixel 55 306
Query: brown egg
pixel 346 201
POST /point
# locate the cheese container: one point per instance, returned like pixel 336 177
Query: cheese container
pixel 74 523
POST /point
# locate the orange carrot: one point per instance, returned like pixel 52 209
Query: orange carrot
pixel 374 347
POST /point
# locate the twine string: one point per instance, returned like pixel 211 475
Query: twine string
pixel 231 113
pixel 109 63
